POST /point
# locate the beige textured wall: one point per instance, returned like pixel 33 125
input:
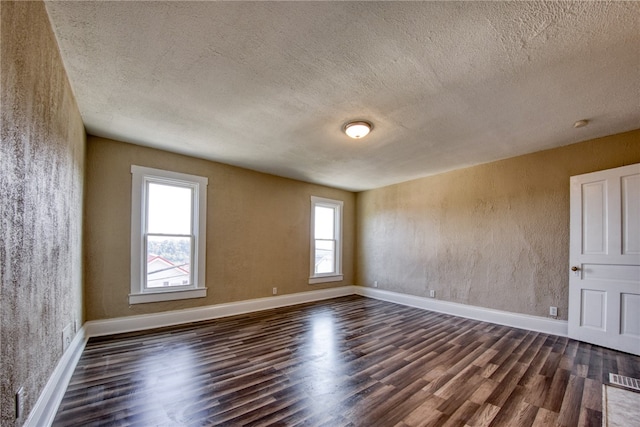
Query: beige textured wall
pixel 494 235
pixel 41 190
pixel 257 230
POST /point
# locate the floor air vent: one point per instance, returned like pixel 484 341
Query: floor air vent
pixel 623 381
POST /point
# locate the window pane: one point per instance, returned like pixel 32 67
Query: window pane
pixel 169 209
pixel 324 222
pixel 325 256
pixel 168 261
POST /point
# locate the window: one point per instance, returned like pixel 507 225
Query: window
pixel 326 240
pixel 168 235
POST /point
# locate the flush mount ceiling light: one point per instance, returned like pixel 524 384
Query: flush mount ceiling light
pixel 357 130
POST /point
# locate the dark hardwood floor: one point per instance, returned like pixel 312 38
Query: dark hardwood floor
pixel 347 361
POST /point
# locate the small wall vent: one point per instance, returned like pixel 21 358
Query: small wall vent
pixel 622 381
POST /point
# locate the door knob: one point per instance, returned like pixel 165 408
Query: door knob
pixel 575 268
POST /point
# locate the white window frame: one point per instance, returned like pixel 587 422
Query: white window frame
pixel 141 177
pixel 335 276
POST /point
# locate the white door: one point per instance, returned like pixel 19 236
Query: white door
pixel 604 284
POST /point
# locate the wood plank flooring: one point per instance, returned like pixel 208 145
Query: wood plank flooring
pixel 349 361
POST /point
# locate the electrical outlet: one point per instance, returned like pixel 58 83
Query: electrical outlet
pixel 553 311
pixel 20 396
pixel 375 284
pixel 275 291
pixel 432 294
pixel 67 335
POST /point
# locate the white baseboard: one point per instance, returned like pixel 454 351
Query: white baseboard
pixel 507 318
pixel 169 318
pixel 176 317
pixel 46 406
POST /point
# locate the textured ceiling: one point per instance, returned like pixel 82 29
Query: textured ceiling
pixel 269 85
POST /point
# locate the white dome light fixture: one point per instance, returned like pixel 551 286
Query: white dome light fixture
pixel 581 123
pixel 358 129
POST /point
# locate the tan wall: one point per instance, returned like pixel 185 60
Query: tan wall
pixel 257 230
pixel 41 191
pixel 494 235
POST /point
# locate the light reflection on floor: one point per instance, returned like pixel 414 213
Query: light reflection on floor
pixel 324 376
pixel 171 380
pixel 167 382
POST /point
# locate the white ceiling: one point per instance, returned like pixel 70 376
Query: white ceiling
pixel 269 85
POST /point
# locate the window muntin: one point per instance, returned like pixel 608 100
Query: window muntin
pixel 326 244
pixel 168 235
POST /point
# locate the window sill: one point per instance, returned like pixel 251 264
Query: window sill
pixel 325 279
pixel 167 296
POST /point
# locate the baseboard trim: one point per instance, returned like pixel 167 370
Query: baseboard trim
pixel 44 411
pixel 169 318
pixel 506 318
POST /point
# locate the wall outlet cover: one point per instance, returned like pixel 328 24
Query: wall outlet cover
pixel 20 396
pixel 275 291
pixel 67 335
pixel 432 294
